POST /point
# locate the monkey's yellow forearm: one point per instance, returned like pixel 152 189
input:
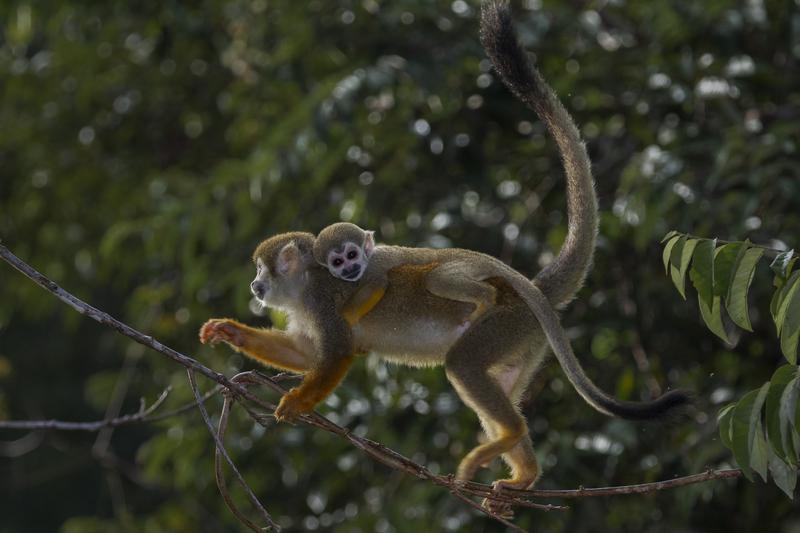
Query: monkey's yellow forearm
pixel 271 347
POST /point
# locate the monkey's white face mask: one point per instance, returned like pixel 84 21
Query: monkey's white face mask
pixel 349 261
pixel 281 288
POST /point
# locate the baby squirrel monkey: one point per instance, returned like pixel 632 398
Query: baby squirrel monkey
pixel 490 359
pixel 346 251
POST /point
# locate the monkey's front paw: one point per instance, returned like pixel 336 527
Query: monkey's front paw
pixel 216 330
pixel 292 405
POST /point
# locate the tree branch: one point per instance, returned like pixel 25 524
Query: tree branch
pixel 237 390
pixel 398 461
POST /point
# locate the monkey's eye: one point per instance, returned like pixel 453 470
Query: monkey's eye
pixel 337 262
pixel 352 254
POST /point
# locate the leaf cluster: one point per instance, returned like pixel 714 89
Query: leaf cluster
pixel 763 427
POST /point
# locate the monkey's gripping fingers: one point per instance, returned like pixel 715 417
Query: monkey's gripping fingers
pixel 316 386
pixel 292 405
pixel 221 329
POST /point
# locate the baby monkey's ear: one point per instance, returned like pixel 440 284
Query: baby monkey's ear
pixel 369 243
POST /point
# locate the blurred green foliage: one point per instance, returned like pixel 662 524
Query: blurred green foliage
pixel 147 147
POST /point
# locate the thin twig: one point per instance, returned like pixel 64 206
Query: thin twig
pixel 768 250
pixel 642 488
pixel 218 472
pixel 222 485
pixel 114 407
pixel 139 417
pixel 21 446
pixel 220 449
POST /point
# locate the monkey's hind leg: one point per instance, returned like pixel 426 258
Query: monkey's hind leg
pixel 514 379
pixel 458 281
pixel 496 336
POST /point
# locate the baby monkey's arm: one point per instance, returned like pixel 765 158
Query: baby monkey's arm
pixel 364 300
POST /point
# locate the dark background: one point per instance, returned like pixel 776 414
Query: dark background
pixel 146 148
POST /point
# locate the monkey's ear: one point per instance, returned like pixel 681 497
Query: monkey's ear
pixel 369 243
pixel 289 259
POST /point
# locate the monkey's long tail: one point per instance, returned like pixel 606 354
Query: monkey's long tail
pixel 562 278
pixel 594 396
pixel 558 282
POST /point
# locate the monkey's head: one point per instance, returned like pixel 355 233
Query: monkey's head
pixel 282 263
pixel 344 249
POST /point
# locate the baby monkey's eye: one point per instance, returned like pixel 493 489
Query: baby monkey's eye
pixel 352 254
pixel 337 262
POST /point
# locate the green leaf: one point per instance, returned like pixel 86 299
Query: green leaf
pixel 784 474
pixel 759 453
pixel 712 316
pixel 724 418
pixel 780 378
pixel 779 298
pixel 788 293
pixel 668 251
pixel 669 236
pixel 742 275
pixel 786 413
pixel 678 272
pixel 790 330
pixel 782 264
pixel 677 250
pixel 702 271
pixel 745 424
pixel 724 259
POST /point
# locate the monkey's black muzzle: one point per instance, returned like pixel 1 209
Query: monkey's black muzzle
pixel 350 274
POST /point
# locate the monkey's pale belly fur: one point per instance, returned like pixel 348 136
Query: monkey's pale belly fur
pixel 417 343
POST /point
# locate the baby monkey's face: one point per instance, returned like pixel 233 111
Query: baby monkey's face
pixel 348 261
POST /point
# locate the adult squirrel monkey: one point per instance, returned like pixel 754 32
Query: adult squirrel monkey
pixel 489 358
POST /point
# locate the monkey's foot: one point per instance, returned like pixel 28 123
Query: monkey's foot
pixel 504 509
pixel 221 329
pixel 292 405
pixel 501 509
